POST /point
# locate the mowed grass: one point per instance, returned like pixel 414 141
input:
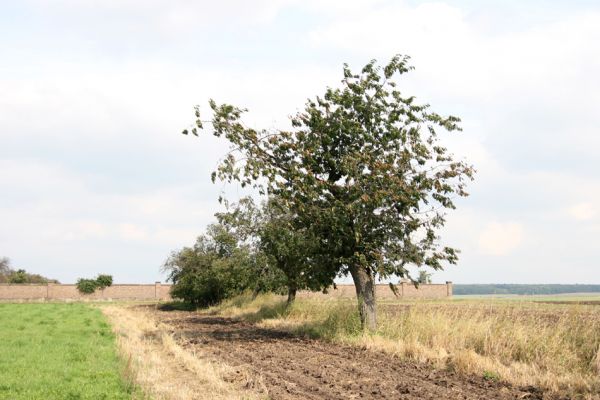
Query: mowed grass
pixel 58 351
pixel 553 346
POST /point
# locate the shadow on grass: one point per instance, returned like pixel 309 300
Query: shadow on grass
pixel 301 318
pixel 336 320
pixel 278 309
pixel 178 306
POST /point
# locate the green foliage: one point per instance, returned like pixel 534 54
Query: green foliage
pixel 325 319
pixel 58 351
pixel 244 221
pixel 104 281
pixel 86 286
pixel 19 276
pixel 491 376
pixel 286 246
pixel 362 169
pixel 9 275
pixel 292 247
pixel 217 267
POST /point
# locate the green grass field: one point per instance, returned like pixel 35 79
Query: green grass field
pixel 58 351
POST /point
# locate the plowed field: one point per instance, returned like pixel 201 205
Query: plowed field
pixel 290 367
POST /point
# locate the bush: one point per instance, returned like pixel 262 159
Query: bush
pixel 19 276
pixel 86 286
pixel 218 267
pixel 89 286
pixel 200 289
pixel 104 281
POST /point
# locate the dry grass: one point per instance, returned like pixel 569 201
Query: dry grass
pixel 161 367
pixel 553 346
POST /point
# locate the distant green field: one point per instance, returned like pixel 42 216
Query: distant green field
pixel 58 351
pixel 564 297
pixel 524 289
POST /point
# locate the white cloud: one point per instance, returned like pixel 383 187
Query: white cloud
pixel 130 231
pixel 501 238
pixel 54 222
pixel 583 211
pixel 533 88
pixel 165 15
pixel 94 174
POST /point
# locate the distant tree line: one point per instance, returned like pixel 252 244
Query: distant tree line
pixel 523 289
pixel 9 274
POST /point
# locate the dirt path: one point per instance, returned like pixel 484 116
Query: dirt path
pixel 292 367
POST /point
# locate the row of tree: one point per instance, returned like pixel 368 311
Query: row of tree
pixel 10 275
pixel 359 183
pixel 250 248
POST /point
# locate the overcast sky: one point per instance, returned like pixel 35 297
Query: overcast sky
pixel 95 176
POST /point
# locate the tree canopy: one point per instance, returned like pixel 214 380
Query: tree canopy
pixel 221 264
pixel 362 168
pixel 285 244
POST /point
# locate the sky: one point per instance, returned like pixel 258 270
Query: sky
pixel 95 176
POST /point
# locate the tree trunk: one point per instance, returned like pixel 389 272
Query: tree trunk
pixel 365 293
pixel 255 292
pixel 291 295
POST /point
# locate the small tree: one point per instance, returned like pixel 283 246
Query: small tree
pixel 18 276
pixel 424 277
pixel 292 248
pixel 104 281
pixel 362 168
pixel 89 286
pixel 273 232
pixel 217 267
pixel 243 220
pixel 86 286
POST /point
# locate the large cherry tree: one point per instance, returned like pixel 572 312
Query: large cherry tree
pixel 362 168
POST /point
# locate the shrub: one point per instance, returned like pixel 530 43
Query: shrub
pixel 89 286
pixel 86 286
pixel 218 267
pixel 104 281
pixel 202 289
pixel 19 276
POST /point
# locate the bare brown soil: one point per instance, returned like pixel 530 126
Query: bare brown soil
pixel 291 367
